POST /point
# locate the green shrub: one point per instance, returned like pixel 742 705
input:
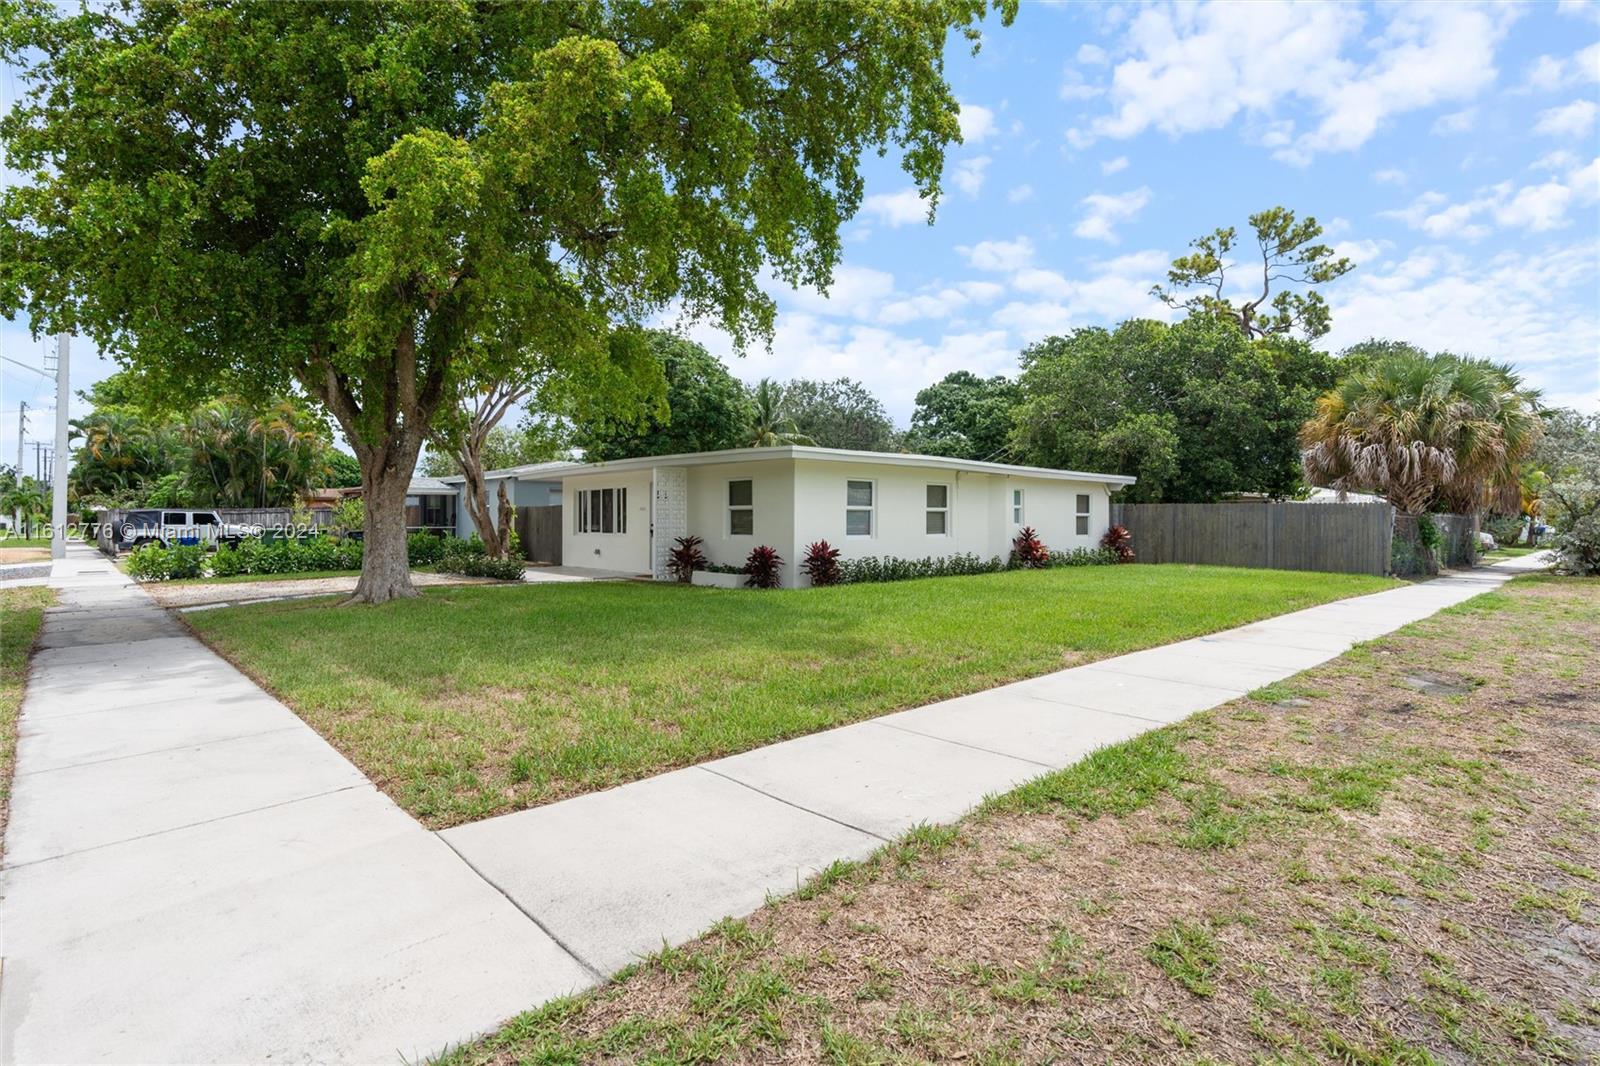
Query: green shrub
pixel 1505 529
pixel 229 562
pixel 1085 557
pixel 892 568
pixel 154 562
pixel 477 564
pixel 424 548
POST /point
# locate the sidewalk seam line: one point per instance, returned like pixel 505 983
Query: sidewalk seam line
pixel 187 825
pixel 964 744
pixel 525 912
pixel 1102 710
pixel 160 751
pixel 791 803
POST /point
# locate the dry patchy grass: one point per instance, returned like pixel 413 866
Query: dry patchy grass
pixel 1343 868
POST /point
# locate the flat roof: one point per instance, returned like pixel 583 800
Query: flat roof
pixel 557 471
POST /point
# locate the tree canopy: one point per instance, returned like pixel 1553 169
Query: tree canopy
pixel 386 204
pixel 1194 410
pixel 706 409
pixel 841 413
pixel 965 416
pixel 1288 256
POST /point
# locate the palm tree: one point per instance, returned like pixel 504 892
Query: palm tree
pixel 25 499
pixel 769 426
pixel 1423 431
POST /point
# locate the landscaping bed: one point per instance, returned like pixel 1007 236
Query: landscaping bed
pixel 1389 859
pixel 466 702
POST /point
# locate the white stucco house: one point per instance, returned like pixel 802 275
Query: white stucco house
pixel 624 515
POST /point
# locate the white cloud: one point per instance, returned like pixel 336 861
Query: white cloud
pixel 1020 194
pixel 1110 291
pixel 1456 121
pixel 1560 159
pixel 1534 208
pixel 1575 119
pixel 1390 176
pixel 977 123
pixel 1074 86
pixel 856 292
pixel 998 255
pixel 1114 166
pixel 1549 73
pixel 1093 55
pixel 1362 252
pixel 1103 212
pixel 896 209
pixel 1534 309
pixel 1200 67
pixel 968 174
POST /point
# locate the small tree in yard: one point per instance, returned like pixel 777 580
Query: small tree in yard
pixel 1569 455
pixel 381 204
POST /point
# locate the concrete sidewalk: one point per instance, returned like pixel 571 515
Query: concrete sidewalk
pixel 192 874
pixel 614 874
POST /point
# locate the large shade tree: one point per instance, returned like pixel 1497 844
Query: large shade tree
pixel 965 416
pixel 1196 411
pixel 706 409
pixel 842 413
pixel 387 204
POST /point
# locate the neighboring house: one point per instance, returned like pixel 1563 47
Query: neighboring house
pixel 431 504
pixel 625 515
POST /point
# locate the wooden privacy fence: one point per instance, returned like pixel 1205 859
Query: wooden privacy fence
pixel 1347 538
pixel 539 529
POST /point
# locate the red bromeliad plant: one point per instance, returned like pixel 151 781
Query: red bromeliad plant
pixel 1029 551
pixel 761 568
pixel 1119 540
pixel 685 558
pixel 821 563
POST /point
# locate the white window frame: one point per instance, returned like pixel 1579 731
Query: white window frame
pixel 589 515
pixel 1080 524
pixel 949 492
pixel 729 506
pixel 871 510
pixel 1019 507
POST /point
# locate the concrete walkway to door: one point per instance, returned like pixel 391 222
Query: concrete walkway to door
pixel 192 874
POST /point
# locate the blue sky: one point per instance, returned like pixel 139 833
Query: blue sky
pixel 1449 149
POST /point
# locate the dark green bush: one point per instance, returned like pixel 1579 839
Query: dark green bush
pixel 424 548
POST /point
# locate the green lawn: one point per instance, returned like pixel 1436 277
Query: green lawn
pixel 469 702
pixel 1508 552
pixel 7 541
pixel 21 614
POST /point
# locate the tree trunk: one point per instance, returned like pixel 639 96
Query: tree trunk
pixel 508 515
pixel 477 499
pixel 385 477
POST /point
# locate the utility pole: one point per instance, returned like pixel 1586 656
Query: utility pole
pixel 58 482
pixel 22 433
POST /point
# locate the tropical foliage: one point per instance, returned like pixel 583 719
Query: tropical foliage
pixel 1569 459
pixel 1196 411
pixel 965 416
pixel 841 413
pixel 770 425
pixel 224 453
pixel 1437 432
pixel 706 409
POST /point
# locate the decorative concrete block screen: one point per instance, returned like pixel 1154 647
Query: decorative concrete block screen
pixel 1346 538
pixel 669 515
